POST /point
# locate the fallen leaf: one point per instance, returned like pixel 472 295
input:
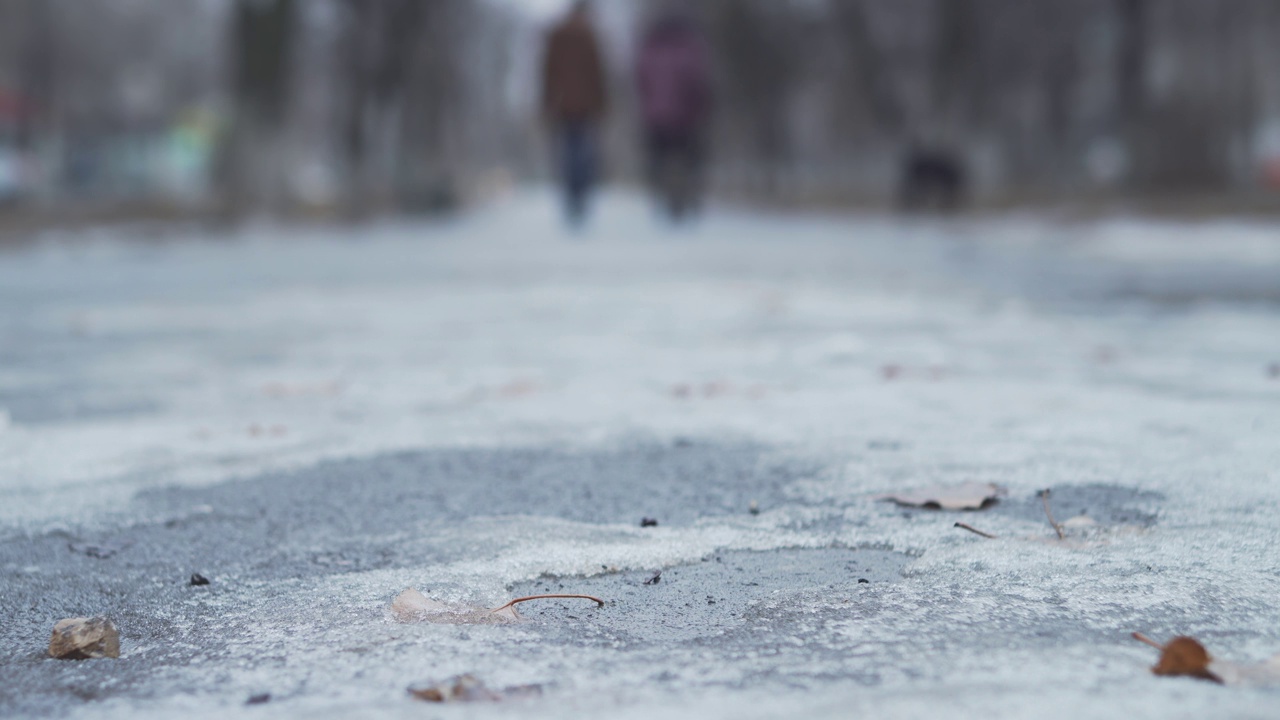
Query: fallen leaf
pixel 469 688
pixel 968 496
pixel 1105 355
pixel 518 388
pixel 412 606
pixel 1185 657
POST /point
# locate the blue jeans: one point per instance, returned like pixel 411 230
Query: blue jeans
pixel 577 167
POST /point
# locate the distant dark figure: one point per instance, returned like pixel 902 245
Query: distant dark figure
pixel 574 100
pixel 932 180
pixel 674 87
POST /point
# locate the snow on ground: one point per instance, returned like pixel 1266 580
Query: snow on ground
pixel 1126 363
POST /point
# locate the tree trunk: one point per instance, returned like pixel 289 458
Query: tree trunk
pixel 254 177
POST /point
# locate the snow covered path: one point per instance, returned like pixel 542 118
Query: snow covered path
pixel 318 419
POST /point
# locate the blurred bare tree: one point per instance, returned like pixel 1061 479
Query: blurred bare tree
pixel 1055 94
pixel 262 39
pixel 404 84
pixel 363 106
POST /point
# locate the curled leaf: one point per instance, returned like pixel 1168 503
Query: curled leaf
pixel 1185 656
pixel 411 606
pixel 469 688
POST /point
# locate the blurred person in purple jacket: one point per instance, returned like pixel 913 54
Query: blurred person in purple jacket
pixel 673 82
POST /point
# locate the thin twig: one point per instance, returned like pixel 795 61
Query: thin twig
pixel 1044 495
pixel 1143 638
pixel 596 600
pixel 975 530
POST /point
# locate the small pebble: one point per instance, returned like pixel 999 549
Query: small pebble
pixel 84 638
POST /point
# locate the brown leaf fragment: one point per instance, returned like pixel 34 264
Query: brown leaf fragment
pixel 411 606
pixel 1185 656
pixel 463 688
pixel 84 638
pixel 469 688
pixel 1181 657
pixel 966 496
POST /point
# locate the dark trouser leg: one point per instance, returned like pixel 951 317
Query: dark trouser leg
pixel 688 191
pixel 655 164
pixel 675 170
pixel 578 168
pixel 664 170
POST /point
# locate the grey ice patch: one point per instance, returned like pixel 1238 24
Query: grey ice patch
pixel 1108 505
pixel 709 601
pixel 673 483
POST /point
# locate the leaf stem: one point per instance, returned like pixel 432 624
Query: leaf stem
pixel 596 600
pixel 1044 495
pixel 1143 638
pixel 975 530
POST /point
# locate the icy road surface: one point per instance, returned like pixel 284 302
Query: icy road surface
pixel 487 407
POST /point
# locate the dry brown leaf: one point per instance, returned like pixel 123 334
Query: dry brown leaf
pixel 1185 657
pixel 412 606
pixel 967 496
pixel 469 688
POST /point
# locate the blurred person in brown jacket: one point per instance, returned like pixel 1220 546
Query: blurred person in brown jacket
pixel 574 102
